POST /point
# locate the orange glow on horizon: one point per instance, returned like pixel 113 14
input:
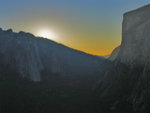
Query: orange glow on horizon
pixel 99 52
pixel 95 48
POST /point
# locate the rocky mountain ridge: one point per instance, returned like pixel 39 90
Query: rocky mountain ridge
pixel 31 56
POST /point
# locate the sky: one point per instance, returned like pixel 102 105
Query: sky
pixel 92 26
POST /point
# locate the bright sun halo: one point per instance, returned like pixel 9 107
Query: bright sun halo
pixel 47 34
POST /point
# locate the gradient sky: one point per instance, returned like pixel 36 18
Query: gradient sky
pixel 92 26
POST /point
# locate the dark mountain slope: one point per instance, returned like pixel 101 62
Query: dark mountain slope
pixel 125 86
pixel 39 75
pixel 31 56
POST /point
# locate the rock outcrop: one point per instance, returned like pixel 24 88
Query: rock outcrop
pixel 114 54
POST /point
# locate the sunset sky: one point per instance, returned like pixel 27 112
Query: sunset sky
pixel 92 26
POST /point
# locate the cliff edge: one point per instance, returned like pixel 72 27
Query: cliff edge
pixel 135 46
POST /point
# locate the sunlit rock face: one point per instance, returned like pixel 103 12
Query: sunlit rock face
pixel 135 46
pixel 34 57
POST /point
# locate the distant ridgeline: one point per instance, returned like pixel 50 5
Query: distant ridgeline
pixel 31 56
pixel 39 75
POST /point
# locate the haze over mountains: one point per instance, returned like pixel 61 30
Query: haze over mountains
pixel 68 80
pixel 32 55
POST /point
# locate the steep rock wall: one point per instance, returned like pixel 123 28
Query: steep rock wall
pixel 135 46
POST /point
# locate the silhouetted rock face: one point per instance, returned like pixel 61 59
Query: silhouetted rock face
pixel 114 54
pixel 135 46
pixel 34 58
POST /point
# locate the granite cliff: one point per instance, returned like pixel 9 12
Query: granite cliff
pixel 126 84
pixel 135 46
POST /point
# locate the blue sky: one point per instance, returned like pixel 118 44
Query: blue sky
pixel 93 26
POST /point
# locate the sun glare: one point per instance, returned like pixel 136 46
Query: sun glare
pixel 47 34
